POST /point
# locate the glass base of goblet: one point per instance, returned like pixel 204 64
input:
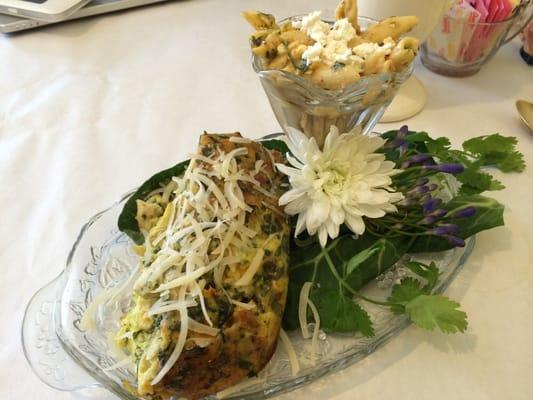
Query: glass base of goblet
pixel 409 101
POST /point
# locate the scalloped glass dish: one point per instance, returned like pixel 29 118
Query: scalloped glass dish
pixel 297 102
pixel 68 358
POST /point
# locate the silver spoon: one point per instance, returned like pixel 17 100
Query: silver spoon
pixel 525 110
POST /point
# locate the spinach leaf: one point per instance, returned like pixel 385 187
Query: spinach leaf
pixel 489 214
pixel 346 263
pixel 275 144
pixel 126 221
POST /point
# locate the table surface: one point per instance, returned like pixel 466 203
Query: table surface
pixel 89 109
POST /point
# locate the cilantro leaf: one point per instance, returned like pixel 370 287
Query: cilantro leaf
pixel 429 272
pixel 474 181
pixel 488 144
pixel 339 313
pixel 513 162
pixel 402 293
pixel 430 311
pixel 439 145
pixel 496 150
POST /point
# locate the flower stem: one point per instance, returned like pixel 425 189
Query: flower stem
pixel 348 287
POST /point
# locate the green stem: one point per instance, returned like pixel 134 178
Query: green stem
pixel 348 287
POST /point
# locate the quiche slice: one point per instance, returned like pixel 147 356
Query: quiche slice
pixel 210 294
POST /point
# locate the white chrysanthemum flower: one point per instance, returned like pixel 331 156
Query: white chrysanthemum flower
pixel 342 183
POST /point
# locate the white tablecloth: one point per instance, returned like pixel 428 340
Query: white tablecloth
pixel 89 109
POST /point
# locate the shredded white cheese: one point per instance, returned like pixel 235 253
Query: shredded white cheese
pixel 237 139
pixel 304 302
pixel 302 309
pixel 201 328
pixel 293 358
pixel 184 323
pixel 246 306
pixel 171 306
pixel 206 224
pixel 246 278
pixel 316 330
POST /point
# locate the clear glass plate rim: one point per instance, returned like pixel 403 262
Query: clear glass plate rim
pixel 339 363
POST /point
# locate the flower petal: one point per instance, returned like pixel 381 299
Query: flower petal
pixel 355 223
pixel 323 236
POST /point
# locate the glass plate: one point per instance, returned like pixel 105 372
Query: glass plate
pixel 68 358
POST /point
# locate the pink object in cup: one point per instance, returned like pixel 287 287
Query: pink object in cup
pixel 471 33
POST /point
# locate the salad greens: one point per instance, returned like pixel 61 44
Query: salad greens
pixel 425 222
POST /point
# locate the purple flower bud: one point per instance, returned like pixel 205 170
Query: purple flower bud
pixel 403 148
pixel 466 212
pixel 393 144
pixel 431 204
pixel 408 201
pixel 427 220
pixel 404 165
pixel 404 130
pixel 432 187
pixel 455 241
pixel 418 190
pixel 439 213
pixel 447 168
pixel 445 229
pixel 422 181
pixel 418 158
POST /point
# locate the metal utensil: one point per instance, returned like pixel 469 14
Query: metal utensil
pixel 525 110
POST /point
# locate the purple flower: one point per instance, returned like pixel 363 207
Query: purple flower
pixel 408 201
pixel 439 213
pixel 419 189
pixel 432 217
pixel 466 212
pixel 427 220
pixel 393 144
pixel 447 168
pixel 445 230
pixel 455 241
pixel 422 181
pixel 399 141
pixel 418 158
pixel 431 204
pixel 403 148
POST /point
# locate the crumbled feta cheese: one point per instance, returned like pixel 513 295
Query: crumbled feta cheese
pixel 365 49
pixel 331 43
pixel 342 30
pixel 313 53
pixel 388 44
pixel 317 29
